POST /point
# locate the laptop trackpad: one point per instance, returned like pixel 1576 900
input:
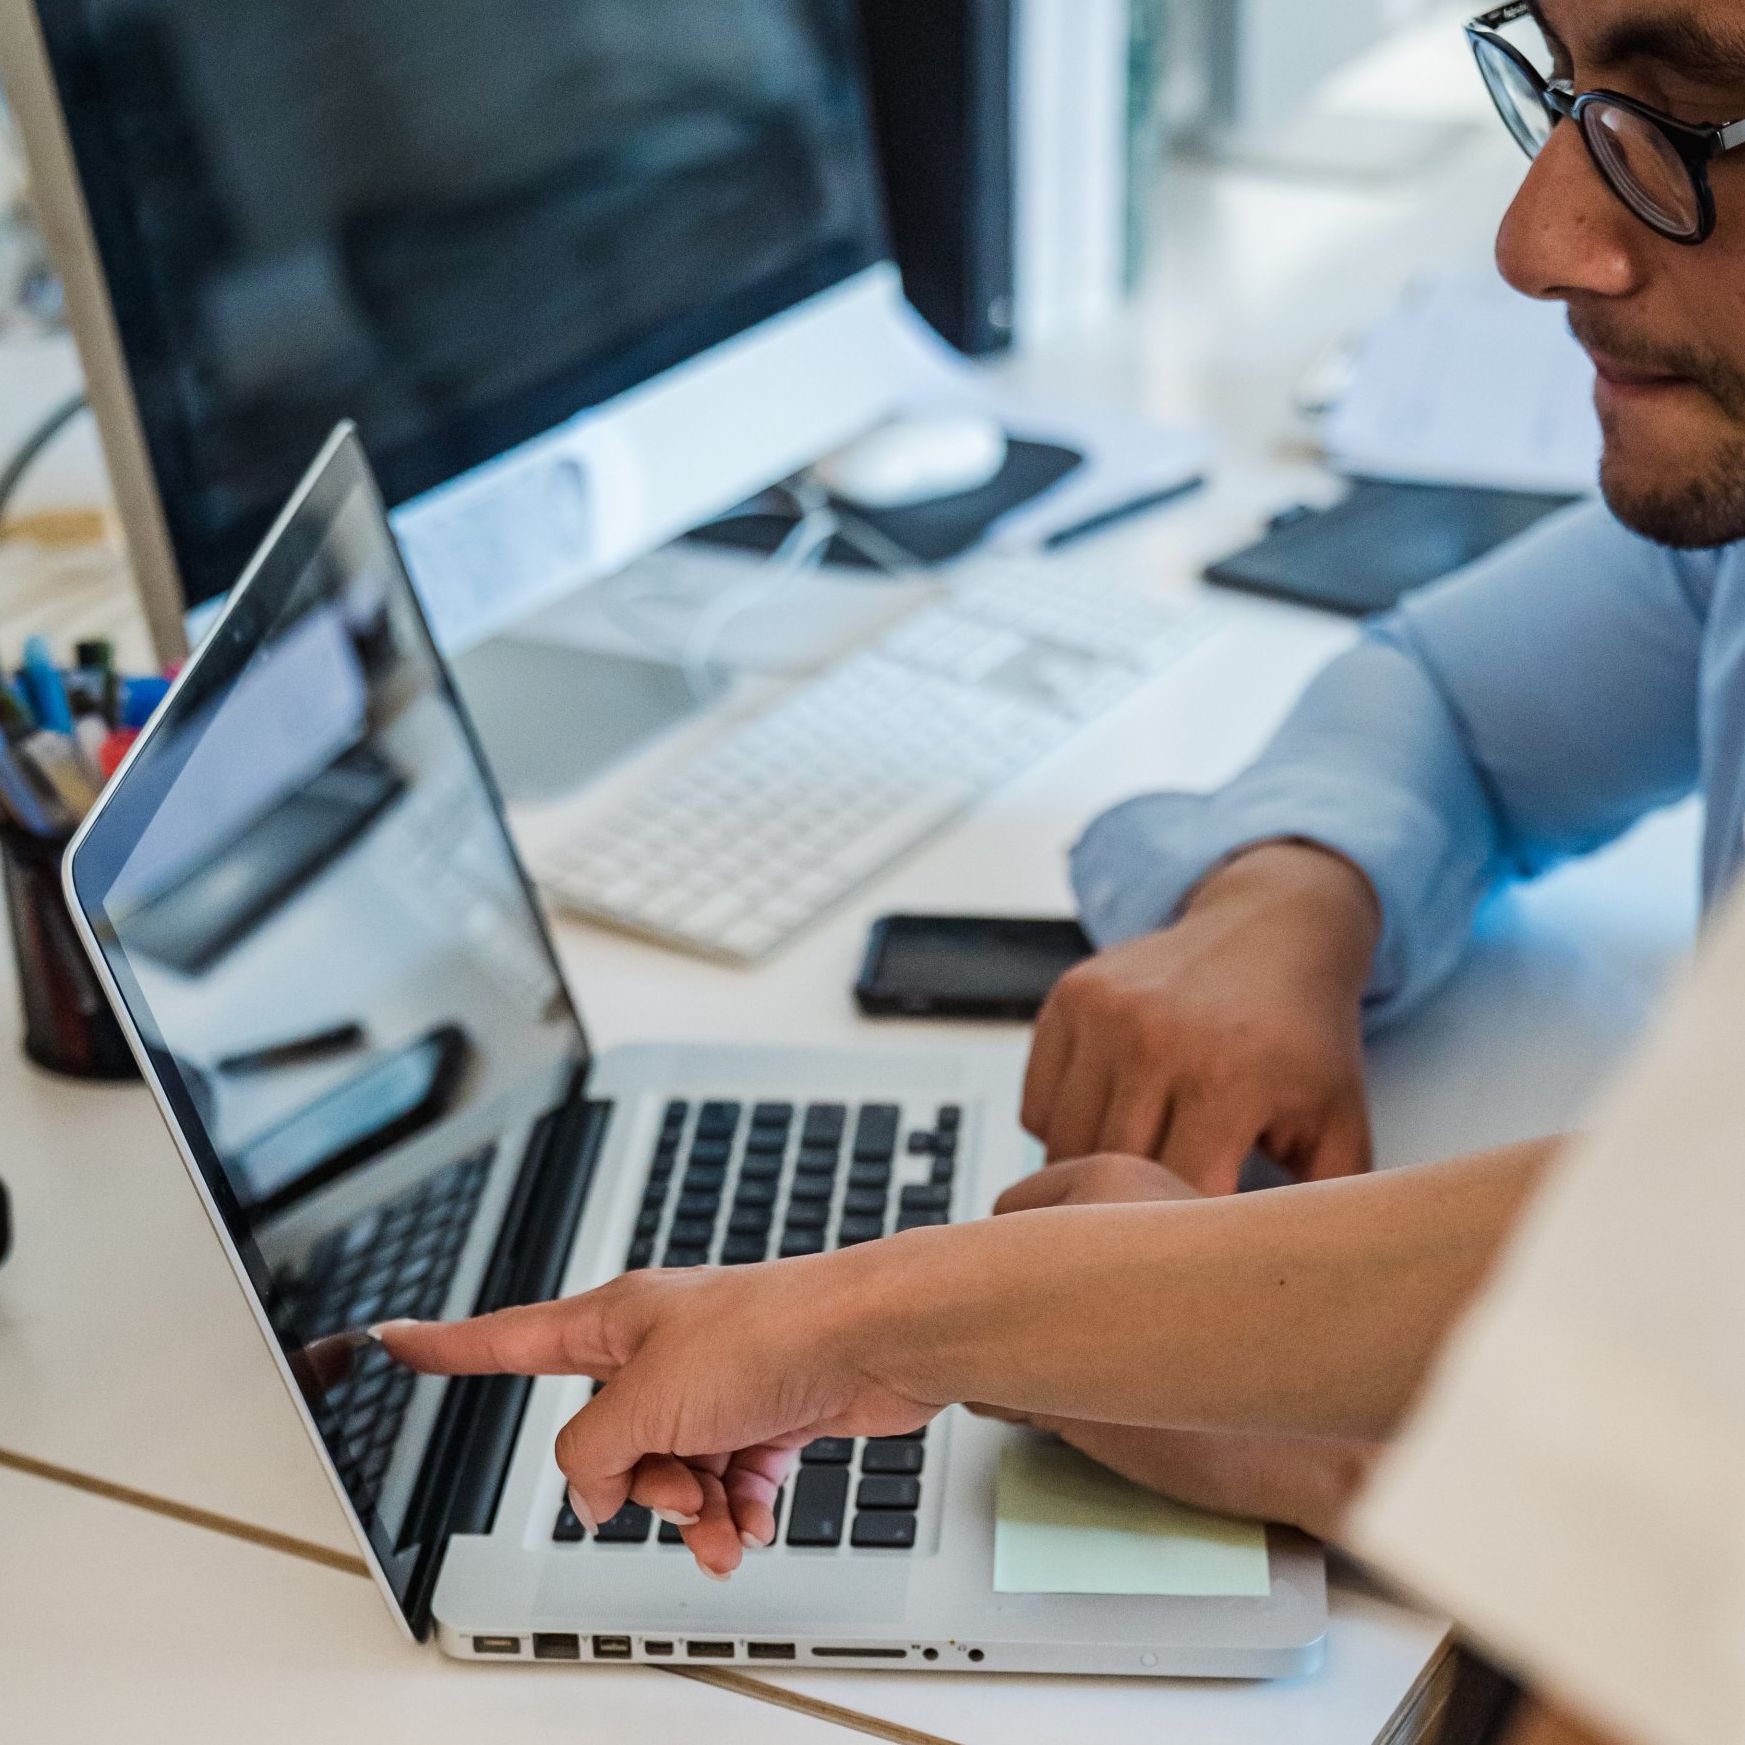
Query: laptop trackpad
pixel 660 1587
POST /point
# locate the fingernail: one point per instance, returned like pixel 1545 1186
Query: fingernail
pixel 676 1520
pixel 715 1574
pixel 382 1327
pixel 582 1512
pixel 751 1542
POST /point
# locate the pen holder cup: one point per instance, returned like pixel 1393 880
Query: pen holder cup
pixel 68 1025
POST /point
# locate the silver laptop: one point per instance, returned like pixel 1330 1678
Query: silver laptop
pixel 312 922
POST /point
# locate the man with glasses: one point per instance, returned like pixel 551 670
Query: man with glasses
pixel 1528 710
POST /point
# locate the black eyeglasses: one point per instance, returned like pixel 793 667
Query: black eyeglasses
pixel 1658 166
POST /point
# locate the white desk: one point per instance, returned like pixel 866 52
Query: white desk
pixel 116 1624
pixel 125 1350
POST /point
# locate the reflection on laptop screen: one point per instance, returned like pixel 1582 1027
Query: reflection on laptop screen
pixel 304 891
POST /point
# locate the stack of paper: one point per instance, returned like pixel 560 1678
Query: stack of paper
pixel 1469 383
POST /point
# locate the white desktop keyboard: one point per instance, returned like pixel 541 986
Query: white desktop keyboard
pixel 738 850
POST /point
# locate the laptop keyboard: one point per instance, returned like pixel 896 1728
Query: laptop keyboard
pixel 395 1262
pixel 730 1186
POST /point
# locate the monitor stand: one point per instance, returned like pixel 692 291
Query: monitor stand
pixel 554 717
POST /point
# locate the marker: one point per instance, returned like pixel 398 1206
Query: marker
pixel 91 735
pixel 16 719
pixel 55 758
pixel 19 800
pixel 115 750
pixel 43 685
pixel 140 699
pixel 1110 518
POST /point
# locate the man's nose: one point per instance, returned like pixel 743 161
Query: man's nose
pixel 1566 233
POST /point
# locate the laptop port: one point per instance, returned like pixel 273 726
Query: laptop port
pixel 550 1647
pixel 861 1653
pixel 770 1650
pixel 709 1650
pixel 496 1644
pixel 657 1650
pixel 611 1647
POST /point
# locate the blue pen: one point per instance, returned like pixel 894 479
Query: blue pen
pixel 42 681
pixel 140 699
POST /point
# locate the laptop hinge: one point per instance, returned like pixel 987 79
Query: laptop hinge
pixel 474 1437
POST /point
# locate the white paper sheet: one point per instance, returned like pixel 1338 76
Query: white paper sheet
pixel 1470 383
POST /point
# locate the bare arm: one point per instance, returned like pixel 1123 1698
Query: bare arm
pixel 1311 1309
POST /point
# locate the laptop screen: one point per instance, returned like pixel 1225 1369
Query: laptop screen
pixel 305 894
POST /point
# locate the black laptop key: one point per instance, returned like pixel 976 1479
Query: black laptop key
pixel 818 1160
pixel 703 1178
pixel 568 1531
pixel 888 1491
pixel 818 1190
pixel 950 1118
pixel 870 1175
pixel 751 1221
pixel 683 1257
pixel 670 1535
pixel 772 1115
pixel 640 1257
pixel 755 1194
pixel 630 1526
pixel 711 1151
pixel 925 1199
pixel 758 1167
pixel 808 1215
pixel 692 1233
pixel 820 1503
pixel 718 1118
pixel 744 1250
pixel 854 1231
pixel 766 1142
pixel 944 1172
pixel 797 1244
pixel 828 1451
pixel 893 1456
pixel 699 1205
pixel 825 1123
pixel 648 1223
pixel 875 1135
pixel 884 1532
pixel 865 1203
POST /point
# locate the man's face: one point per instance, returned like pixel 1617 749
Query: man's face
pixel 1664 323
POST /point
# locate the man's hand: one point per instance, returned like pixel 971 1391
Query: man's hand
pixel 1306 1482
pixel 1238 1027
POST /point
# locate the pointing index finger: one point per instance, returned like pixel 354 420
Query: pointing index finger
pixel 567 1338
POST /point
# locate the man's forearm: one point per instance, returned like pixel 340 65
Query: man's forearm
pixel 1312 1310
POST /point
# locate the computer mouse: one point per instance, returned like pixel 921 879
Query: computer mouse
pixel 915 461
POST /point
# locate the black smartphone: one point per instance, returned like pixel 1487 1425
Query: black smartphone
pixel 963 966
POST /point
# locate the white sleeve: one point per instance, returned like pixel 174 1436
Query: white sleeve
pixel 1572 1487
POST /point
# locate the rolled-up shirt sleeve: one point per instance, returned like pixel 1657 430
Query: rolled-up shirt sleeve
pixel 1530 708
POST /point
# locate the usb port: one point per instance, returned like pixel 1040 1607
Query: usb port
pixel 496 1644
pixel 556 1647
pixel 611 1647
pixel 770 1650
pixel 709 1650
pixel 657 1650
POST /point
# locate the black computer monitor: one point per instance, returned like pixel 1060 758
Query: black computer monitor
pixel 461 223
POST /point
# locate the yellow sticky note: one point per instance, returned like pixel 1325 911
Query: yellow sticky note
pixel 1066 1526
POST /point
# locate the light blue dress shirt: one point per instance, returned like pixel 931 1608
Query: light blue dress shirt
pixel 1529 709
